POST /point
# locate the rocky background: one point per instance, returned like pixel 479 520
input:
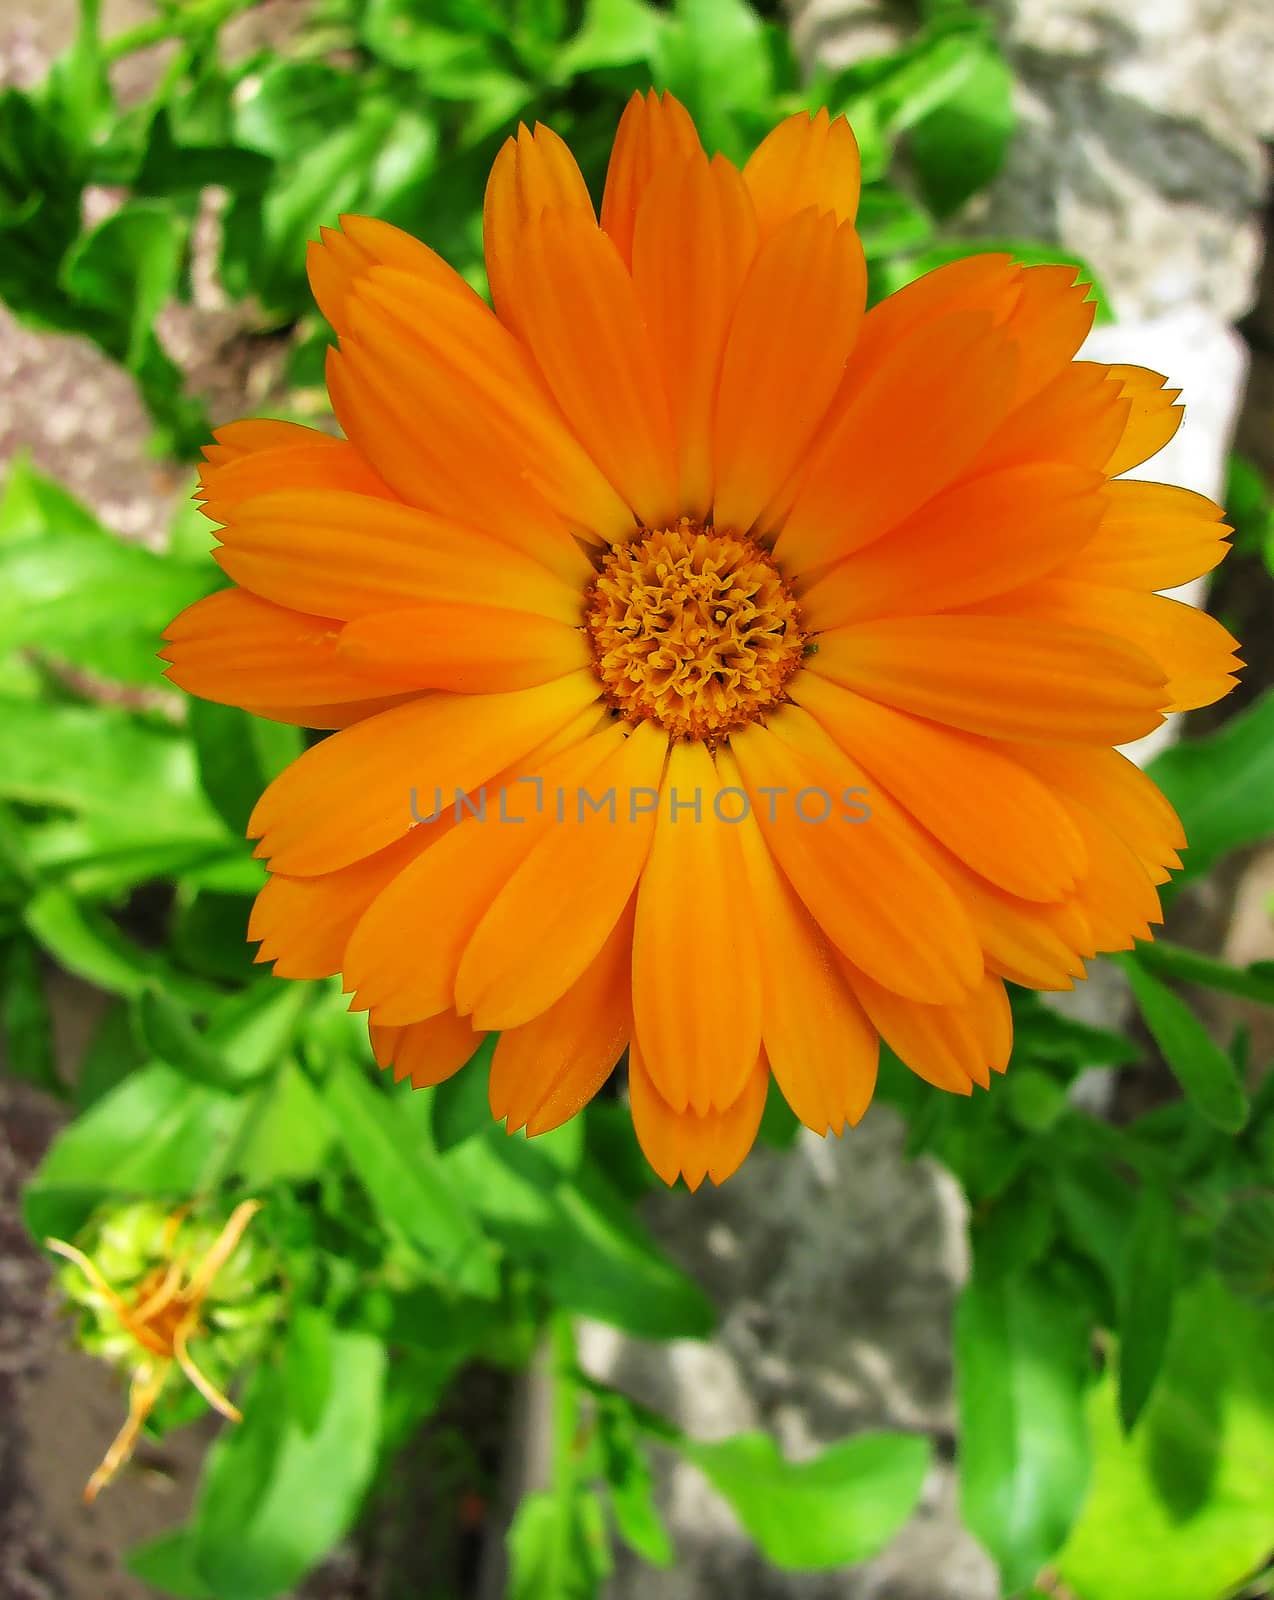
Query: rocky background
pixel 1142 148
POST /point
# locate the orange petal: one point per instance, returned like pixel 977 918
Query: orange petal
pixel 952 1047
pixel 556 910
pixel 304 924
pixel 344 555
pixel 343 257
pixel 694 240
pixel 696 991
pixel 863 882
pixel 239 650
pixel 315 461
pixel 440 394
pixel 1117 895
pixel 533 173
pixel 1076 417
pixel 1193 651
pixel 467 649
pixel 403 957
pixel 888 452
pixel 1152 421
pixel 251 434
pixel 427 1052
pixel 1050 320
pixel 1007 677
pixel 687 1144
pixel 1115 789
pixel 989 284
pixel 799 311
pixel 655 133
pixel 352 795
pixel 579 316
pixel 807 160
pixel 965 544
pixel 821 1048
pixel 1151 537
pixel 551 1067
pixel 988 812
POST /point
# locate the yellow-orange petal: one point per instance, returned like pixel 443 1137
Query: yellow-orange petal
pixel 1117 895
pixel 798 314
pixel 548 1069
pixel 344 555
pixel 989 284
pixel 352 795
pixel 1006 677
pixel 1193 651
pixel 251 434
pixel 303 924
pixel 1153 416
pixel 1151 536
pixel 533 173
pixel 885 454
pixel 468 649
pixel 449 404
pixel 427 1052
pixel 685 1143
pixel 1115 789
pixel 1050 319
pixel 963 545
pixel 307 460
pixel 990 813
pixel 863 882
pixel 952 1046
pixel 809 159
pixel 579 316
pixel 1076 417
pixel 403 956
pixel 655 133
pixel 343 256
pixel 693 242
pixel 237 649
pixel 696 990
pixel 556 910
pixel 821 1048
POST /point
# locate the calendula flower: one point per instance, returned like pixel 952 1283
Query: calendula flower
pixel 845 609
pixel 148 1283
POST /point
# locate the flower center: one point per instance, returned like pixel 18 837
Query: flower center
pixel 694 629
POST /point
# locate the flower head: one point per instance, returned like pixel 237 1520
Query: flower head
pixel 149 1283
pixel 777 647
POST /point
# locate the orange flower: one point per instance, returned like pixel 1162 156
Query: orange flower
pixel 680 523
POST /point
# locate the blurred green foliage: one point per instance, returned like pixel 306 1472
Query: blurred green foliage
pixel 415 1239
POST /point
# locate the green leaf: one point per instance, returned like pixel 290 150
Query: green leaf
pixel 166 1033
pixel 1022 1366
pixel 1181 1508
pixel 238 755
pixel 461 1106
pixel 889 224
pixel 1145 1303
pixel 557 1547
pixel 613 33
pixel 715 56
pixel 308 1366
pixel 157 1133
pixel 841 1506
pixel 1255 982
pixel 290 1136
pixel 1222 787
pixel 127 268
pixel 167 1564
pixel 960 146
pixel 413 1192
pixel 89 945
pixel 276 1498
pixel 630 1482
pixel 1205 1072
pixel 26 1028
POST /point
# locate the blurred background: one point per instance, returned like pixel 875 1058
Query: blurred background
pixel 944 1308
